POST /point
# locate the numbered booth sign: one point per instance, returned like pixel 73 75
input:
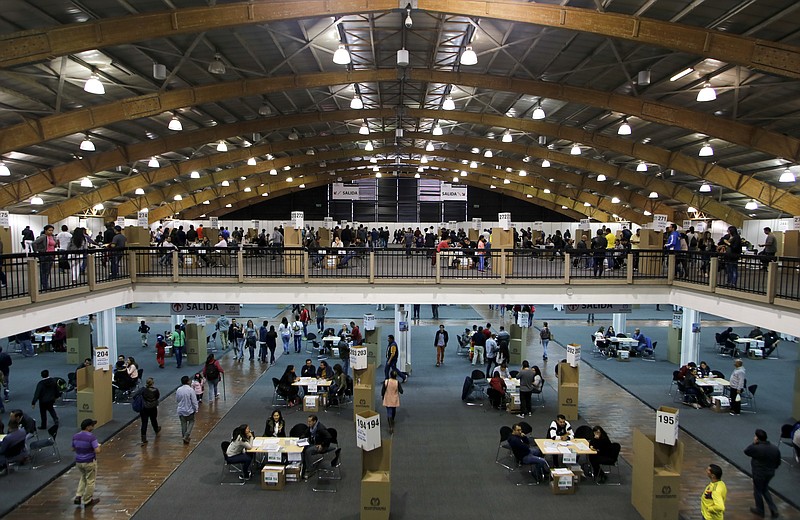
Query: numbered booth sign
pixel 369 322
pixel 522 319
pixel 101 359
pixel 368 430
pixel 667 425
pixel 359 357
pixel 573 354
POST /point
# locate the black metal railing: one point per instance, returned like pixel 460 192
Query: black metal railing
pixel 338 262
pixel 153 261
pixel 14 277
pixel 649 264
pixel 608 264
pixel 748 275
pixel 531 264
pixel 470 264
pixel 693 266
pixel 788 275
pixel 272 262
pixel 396 263
pixel 111 265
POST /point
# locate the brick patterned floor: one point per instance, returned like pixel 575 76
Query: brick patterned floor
pixel 129 473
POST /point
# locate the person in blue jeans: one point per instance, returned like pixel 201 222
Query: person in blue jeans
pixel 520 445
pixel 392 356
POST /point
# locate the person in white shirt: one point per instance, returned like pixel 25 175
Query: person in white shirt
pixel 63 238
pixel 220 257
pixel 241 441
pixel 187 407
pixel 560 429
pixel 502 370
pixel 297 328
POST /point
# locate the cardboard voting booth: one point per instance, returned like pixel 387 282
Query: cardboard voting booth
pixel 363 390
pixel 311 403
pixel 667 425
pixel 376 482
pixel 656 478
pixel 562 482
pixel 94 395
pixel 196 345
pixel 568 380
pixel 79 342
pixel 368 430
pixel 358 358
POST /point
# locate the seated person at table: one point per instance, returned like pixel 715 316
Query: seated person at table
pixel 560 429
pixel 286 388
pixel 600 340
pixel 276 426
pixel 602 445
pixel 355 334
pixel 756 333
pixel 496 391
pixel 521 447
pixel 703 370
pixel 502 370
pixel 685 369
pixel 319 442
pixel 324 371
pixel 771 341
pixel 338 386
pixel 357 248
pixel 308 370
pixel 241 441
pixel 693 394
pixel 728 338
pixel 641 338
pixel 13 447
pixel 344 331
pixel 610 333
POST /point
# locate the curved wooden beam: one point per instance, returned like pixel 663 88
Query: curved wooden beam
pixel 41 44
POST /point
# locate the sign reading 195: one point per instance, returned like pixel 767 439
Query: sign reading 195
pixel 666 418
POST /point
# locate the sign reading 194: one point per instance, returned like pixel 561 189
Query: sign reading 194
pixel 372 423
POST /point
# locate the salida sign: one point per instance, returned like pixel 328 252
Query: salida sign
pixel 608 308
pixel 205 309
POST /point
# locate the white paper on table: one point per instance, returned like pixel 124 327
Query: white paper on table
pixel 564 449
pixel 302 442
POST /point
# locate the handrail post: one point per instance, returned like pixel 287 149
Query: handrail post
pixel 567 267
pixel 305 267
pixel 132 265
pixel 91 271
pixel 503 259
pixel 33 279
pixel 713 271
pixel 670 268
pixel 175 266
pixel 438 267
pixel 372 267
pixel 772 281
pixel 630 267
pixel 240 264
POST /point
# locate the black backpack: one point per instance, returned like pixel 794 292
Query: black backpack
pixel 212 372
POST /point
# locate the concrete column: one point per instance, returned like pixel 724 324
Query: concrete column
pixel 620 321
pixel 107 332
pixel 690 341
pixel 403 338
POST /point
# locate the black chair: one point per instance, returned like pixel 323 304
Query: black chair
pixel 479 380
pixel 277 397
pixel 596 350
pixel 37 446
pixel 310 340
pixel 584 432
pixel 676 376
pixel 298 430
pixel 329 474
pixel 72 387
pixel 749 397
pixel 612 461
pixel 514 374
pixel 229 468
pixel 526 428
pixel 786 440
pixel 538 392
pixel 505 432
pixel 717 373
pixel 649 353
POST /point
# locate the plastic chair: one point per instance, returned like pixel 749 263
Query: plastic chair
pixel 538 391
pixel 505 431
pixel 298 430
pixel 310 340
pixel 584 432
pixel 72 387
pixel 674 383
pixel 37 446
pixel 649 353
pixel 612 461
pixel 329 474
pixel 277 398
pixel 717 373
pixel 479 380
pixel 749 397
pixel 229 468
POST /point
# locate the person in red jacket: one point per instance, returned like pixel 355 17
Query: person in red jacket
pixel 161 349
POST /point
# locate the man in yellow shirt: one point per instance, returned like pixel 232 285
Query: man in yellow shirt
pixel 611 239
pixel 712 502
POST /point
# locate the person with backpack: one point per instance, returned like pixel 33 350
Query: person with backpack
pixel 144 330
pixel 545 335
pixel 145 402
pixel 297 330
pixel 212 371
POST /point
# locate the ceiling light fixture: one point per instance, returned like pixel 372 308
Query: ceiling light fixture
pixel 222 146
pixel 538 112
pixel 175 124
pixel 177 197
pixel 473 164
pixel 707 93
pixel 93 85
pixel 463 173
pixel 194 175
pixel 86 182
pixel 684 72
pixel 265 194
pixel 455 179
pixel 468 57
pixel 206 202
pixel 507 136
pixel 356 103
pixel 601 178
pixel 341 56
pixel 691 209
pixel 437 130
pixel 229 205
pixel 546 190
pixel 449 104
pixel 646 213
pixel 36 200
pixel 225 183
pixel 624 128
pixel 139 191
pixel 364 130
pixel 424 159
pixel 787 176
pixel 251 161
pixel 369 146
pixel 378 175
pixel 293 135
pixel 641 167
pixel 653 195
pixel 429 147
pixel 587 205
pixel 87 145
pixel 98 207
pixel 752 205
pixel 248 189
pixel 273 172
pixel 506 181
pixel 264 109
pixel 615 200
pixel 289 179
pixel 706 151
pixel 705 188
pixel 488 154
pixel 4 171
pixel 523 173
pixel 153 163
pixel 575 150
pixel 403 58
pixel 216 66
pixel 417 175
pixel 545 163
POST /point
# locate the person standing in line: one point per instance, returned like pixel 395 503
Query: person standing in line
pixel 5 369
pixel 272 343
pixel 86 448
pixel 251 338
pixel 149 412
pixel 27 240
pixel 297 329
pixel 390 392
pixel 737 379
pixel 222 328
pixel 435 311
pixel 178 344
pixel 770 248
pixel 187 407
pixel 321 311
pixel 416 307
pixel 46 393
pixel 545 335
pixel 733 251
pixel 262 341
pixel 440 342
pixel 764 460
pixel 526 376
pixel 161 350
pixel 490 350
pixel 212 371
pixel 144 330
pixel 45 243
pixel 117 245
pixel 712 501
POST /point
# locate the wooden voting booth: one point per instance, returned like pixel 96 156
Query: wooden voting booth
pixel 790 244
pixel 363 390
pixel 94 395
pixel 503 239
pixel 325 237
pixel 196 345
pixel 79 342
pixel 516 344
pixel 656 479
pixel 568 380
pixel 650 265
pixel 376 482
pixel 292 238
pixel 139 237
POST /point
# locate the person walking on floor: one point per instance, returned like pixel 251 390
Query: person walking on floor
pixel 187 407
pixel 212 371
pixel 149 412
pixel 5 369
pixel 161 350
pixel 764 460
pixel 545 335
pixel 46 394
pixel 392 357
pixel 86 448
pixel 737 379
pixel 526 387
pixel 144 330
pixel 178 344
pixel 712 501
pixel 440 342
pixel 390 392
